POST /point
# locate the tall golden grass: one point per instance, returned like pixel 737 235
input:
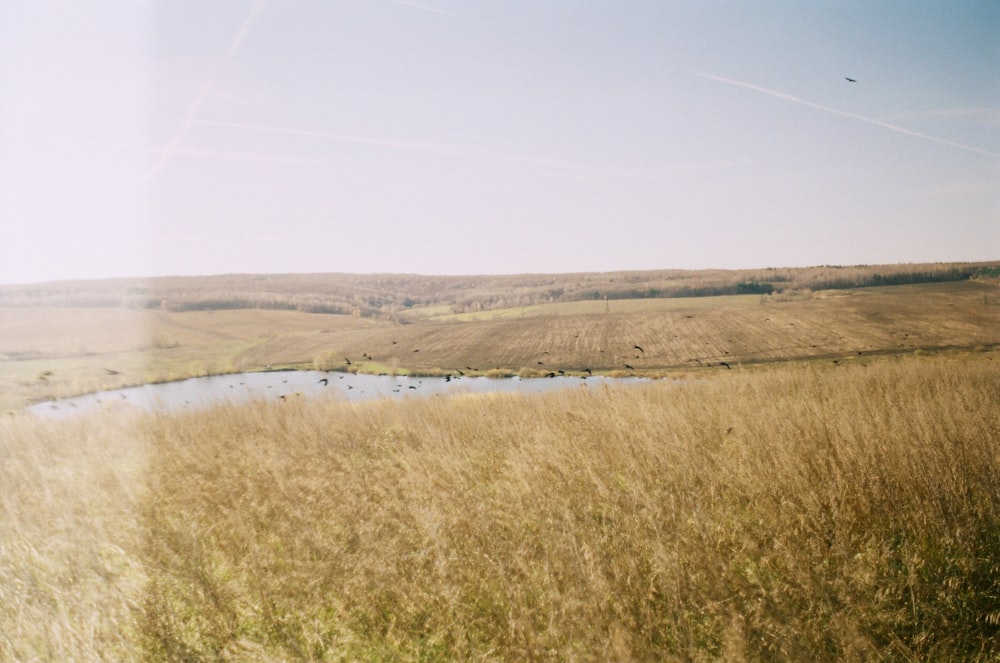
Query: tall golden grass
pixel 71 574
pixel 793 513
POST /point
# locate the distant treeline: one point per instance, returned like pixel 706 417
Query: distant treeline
pixel 399 297
pixel 741 288
pixel 778 284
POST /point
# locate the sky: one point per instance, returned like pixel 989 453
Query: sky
pixel 187 137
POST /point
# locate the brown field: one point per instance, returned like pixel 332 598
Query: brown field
pixel 58 351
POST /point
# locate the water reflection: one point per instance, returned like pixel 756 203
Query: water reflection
pixel 283 385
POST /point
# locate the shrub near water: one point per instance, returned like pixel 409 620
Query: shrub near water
pixel 793 515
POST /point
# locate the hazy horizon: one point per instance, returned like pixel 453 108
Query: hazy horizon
pixel 442 137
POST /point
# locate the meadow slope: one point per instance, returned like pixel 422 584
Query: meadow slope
pixel 793 512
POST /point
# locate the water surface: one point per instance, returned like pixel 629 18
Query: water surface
pixel 278 385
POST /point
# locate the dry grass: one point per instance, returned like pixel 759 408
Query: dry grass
pixel 683 334
pixel 71 578
pixel 50 352
pixel 788 513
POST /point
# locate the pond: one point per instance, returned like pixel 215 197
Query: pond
pixel 278 385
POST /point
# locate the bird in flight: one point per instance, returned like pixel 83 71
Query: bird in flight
pixel 850 80
pixel 639 349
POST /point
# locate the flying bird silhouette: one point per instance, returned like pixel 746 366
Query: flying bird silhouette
pixel 639 349
pixel 849 80
pixel 323 381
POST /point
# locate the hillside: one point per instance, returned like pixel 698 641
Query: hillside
pixel 397 297
pixel 50 351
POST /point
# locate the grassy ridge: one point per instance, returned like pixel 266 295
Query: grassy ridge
pixel 793 513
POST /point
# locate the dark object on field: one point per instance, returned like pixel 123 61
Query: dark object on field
pixel 347 360
pixel 111 371
pixel 849 80
pixel 550 375
pixel 447 378
pixel 324 381
pixel 639 349
pixel 630 367
pixel 722 363
pixel 588 371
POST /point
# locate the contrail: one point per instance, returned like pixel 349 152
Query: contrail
pixel 421 6
pixel 853 116
pixel 448 149
pixel 445 148
pixel 227 155
pixel 171 147
pixel 560 167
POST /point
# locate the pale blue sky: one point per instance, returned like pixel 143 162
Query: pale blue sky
pixel 494 136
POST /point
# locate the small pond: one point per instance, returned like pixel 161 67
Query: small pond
pixel 276 385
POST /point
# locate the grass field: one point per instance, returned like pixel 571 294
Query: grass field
pixel 56 351
pixel 59 351
pixel 819 481
pixel 792 512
